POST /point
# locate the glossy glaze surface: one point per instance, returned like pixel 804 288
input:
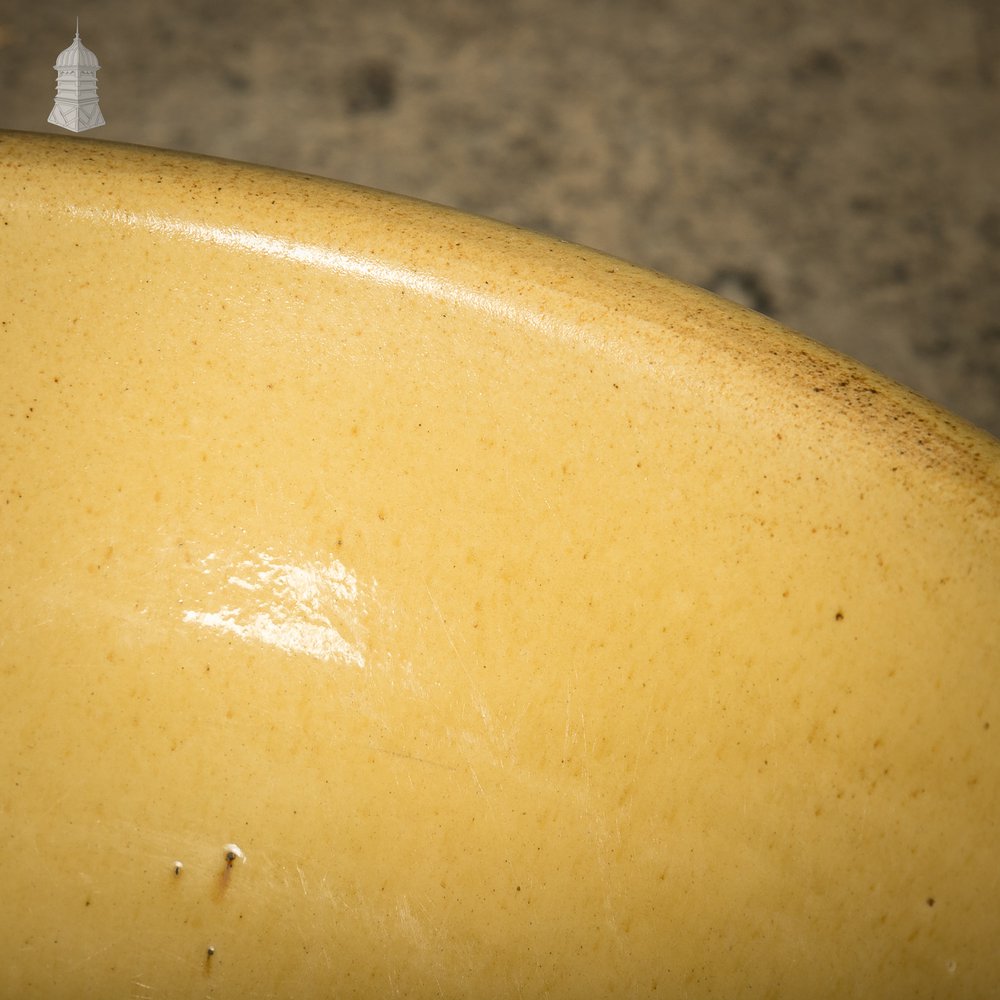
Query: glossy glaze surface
pixel 529 622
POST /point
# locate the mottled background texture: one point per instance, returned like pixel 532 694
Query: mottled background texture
pixel 834 165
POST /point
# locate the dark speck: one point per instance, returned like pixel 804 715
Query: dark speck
pixel 839 616
pixel 819 64
pixel 236 81
pixel 744 287
pixel 899 272
pixel 930 900
pixel 989 229
pixel 864 204
pixel 369 85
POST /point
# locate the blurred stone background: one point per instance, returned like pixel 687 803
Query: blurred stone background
pixel 835 165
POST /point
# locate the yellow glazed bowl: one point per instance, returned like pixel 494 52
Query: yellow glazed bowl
pixel 395 602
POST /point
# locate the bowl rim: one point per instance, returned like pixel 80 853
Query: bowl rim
pixel 697 341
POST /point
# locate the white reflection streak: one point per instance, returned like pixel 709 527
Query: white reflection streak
pixel 323 642
pixel 329 259
pixel 291 608
pixel 345 263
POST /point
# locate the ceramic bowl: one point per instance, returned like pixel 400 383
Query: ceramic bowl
pixel 396 602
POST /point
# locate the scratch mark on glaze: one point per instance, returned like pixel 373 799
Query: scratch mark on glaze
pixel 413 757
pixel 475 778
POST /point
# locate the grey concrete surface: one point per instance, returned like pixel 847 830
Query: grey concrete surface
pixel 833 165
